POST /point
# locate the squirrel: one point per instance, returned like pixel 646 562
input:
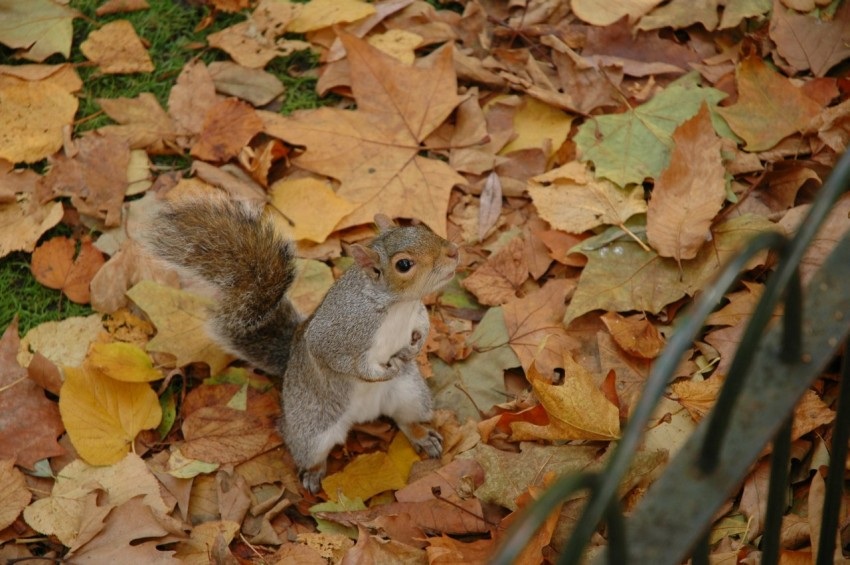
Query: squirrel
pixel 353 359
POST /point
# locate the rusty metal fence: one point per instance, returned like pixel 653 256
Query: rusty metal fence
pixel 772 369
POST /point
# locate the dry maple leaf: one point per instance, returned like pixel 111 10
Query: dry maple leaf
pixel 374 151
pixel 33 115
pixel 228 127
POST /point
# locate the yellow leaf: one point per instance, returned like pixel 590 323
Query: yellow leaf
pixel 536 122
pixel 123 362
pixel 40 27
pixel 33 115
pixel 312 205
pixel 399 43
pixel 117 49
pixel 319 14
pixel 373 473
pixel 103 416
pixel 577 408
pixel 179 317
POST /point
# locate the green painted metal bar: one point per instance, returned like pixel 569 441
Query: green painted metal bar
pixel 837 458
pixel 672 515
pixel 776 494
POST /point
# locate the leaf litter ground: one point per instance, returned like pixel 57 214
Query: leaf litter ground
pixel 597 164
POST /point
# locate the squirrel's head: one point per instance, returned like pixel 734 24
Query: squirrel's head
pixel 411 261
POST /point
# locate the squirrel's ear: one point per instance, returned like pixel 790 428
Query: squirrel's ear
pixel 383 222
pixel 366 258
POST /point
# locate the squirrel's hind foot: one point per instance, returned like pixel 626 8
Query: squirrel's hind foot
pixel 424 438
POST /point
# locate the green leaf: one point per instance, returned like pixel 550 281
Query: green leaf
pixel 621 276
pixel 630 147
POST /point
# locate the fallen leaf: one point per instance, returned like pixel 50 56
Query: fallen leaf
pixel 319 14
pixel 14 494
pixel 191 98
pixel 228 127
pixel 29 422
pixel 681 14
pixel 180 319
pixel 538 125
pixel 117 49
pixel 373 473
pixel 54 266
pixel 40 27
pixel 534 324
pixel 22 223
pixel 445 550
pixel 252 43
pixel 689 192
pixel 312 206
pixel 311 284
pixel 571 199
pixel 497 280
pixel 61 513
pixel 374 151
pixel 123 362
pixel 621 276
pixel 577 408
pixel 698 396
pixel 255 86
pixel 769 107
pixel 131 531
pixel 33 114
pixel 96 177
pixel 103 416
pixel 630 147
pixel 142 122
pixel 811 41
pixel 121 6
pixel 602 14
pixel 635 334
pixel 65 342
pixel 219 434
pixel 197 549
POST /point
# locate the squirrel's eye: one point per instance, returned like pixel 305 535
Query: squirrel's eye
pixel 403 265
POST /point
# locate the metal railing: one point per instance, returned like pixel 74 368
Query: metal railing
pixel 773 367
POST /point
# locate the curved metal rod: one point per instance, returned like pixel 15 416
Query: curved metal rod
pixel 776 493
pixel 726 401
pixel 681 340
pixel 517 536
pixel 656 384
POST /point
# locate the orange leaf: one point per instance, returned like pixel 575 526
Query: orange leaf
pixel 54 266
pixel 228 127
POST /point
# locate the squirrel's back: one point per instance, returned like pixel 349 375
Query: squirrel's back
pixel 234 247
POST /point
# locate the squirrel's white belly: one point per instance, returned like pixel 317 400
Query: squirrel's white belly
pixel 396 330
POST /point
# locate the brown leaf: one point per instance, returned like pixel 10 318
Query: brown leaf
pixel 192 97
pixel 22 223
pixel 374 151
pixel 536 329
pixel 121 6
pixel 497 280
pixel 95 178
pixel 228 127
pixel 754 497
pixel 143 122
pixel 698 396
pixel 444 550
pixel 29 422
pixel 810 41
pixel 217 434
pixel 54 266
pixel 690 191
pixel 252 85
pixel 635 334
pixel 375 549
pixel 769 108
pixel 116 49
pixel 14 494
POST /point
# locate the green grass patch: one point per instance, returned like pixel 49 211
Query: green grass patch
pixel 33 303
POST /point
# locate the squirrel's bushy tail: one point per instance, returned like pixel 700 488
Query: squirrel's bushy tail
pixel 234 247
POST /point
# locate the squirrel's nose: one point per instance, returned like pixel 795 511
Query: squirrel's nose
pixel 451 250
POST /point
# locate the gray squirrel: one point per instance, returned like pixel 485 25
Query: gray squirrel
pixel 353 359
